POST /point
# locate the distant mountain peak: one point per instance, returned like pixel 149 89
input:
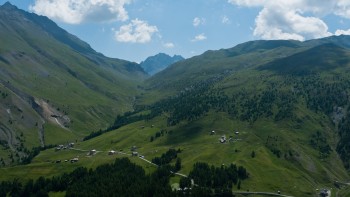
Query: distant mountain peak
pixel 159 62
pixel 8 6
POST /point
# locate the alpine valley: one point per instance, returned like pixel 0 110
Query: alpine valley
pixel 261 118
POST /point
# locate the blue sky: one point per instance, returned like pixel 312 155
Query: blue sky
pixel 136 29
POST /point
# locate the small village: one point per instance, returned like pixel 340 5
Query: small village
pixel 71 146
pixel 92 152
pixel 232 138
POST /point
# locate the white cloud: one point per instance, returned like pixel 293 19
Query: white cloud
pixel 342 32
pixel 297 19
pixel 169 45
pixel 343 8
pixel 288 24
pixel 199 37
pixel 78 11
pixel 137 31
pixel 225 20
pixel 198 21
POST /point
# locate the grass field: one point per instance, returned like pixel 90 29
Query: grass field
pixel 299 175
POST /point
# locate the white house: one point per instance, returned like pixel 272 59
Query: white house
pixel 223 139
pixel 92 152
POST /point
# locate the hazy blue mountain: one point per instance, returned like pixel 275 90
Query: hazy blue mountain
pixel 159 62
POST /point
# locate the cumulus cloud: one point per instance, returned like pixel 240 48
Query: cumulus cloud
pixel 342 32
pixel 288 24
pixel 169 45
pixel 137 31
pixel 198 21
pixel 297 19
pixel 199 37
pixel 78 11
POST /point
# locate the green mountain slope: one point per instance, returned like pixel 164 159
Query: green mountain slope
pixel 213 64
pixel 62 89
pixel 322 58
pixel 292 96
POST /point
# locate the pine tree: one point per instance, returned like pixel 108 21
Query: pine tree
pixel 178 164
pixel 253 154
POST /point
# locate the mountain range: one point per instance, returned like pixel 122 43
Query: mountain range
pixel 280 108
pixel 159 62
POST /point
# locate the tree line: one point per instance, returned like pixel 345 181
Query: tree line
pixel 343 146
pixel 123 178
pixel 213 181
pixel 167 157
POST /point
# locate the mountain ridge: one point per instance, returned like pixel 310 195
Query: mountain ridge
pixel 159 62
pixel 70 40
pixel 323 57
pixel 238 57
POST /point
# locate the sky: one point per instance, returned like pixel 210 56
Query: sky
pixel 136 29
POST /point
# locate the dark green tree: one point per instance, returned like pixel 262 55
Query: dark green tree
pixel 185 182
pixel 252 154
pixel 178 164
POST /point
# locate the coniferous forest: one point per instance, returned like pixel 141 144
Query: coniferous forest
pixel 123 178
